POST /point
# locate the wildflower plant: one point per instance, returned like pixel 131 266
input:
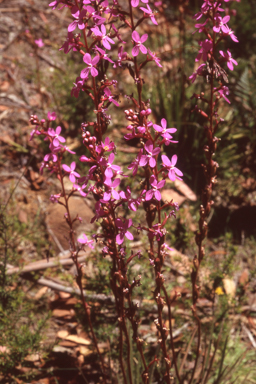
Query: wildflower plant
pixel 96 36
pixel 215 29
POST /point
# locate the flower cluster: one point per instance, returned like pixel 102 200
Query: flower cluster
pixel 95 35
pixel 103 178
pixel 216 28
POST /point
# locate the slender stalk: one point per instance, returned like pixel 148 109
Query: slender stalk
pixel 138 79
pixel 210 174
pixel 79 272
pixel 171 334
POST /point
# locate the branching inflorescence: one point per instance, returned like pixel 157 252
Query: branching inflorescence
pixel 215 29
pixel 96 32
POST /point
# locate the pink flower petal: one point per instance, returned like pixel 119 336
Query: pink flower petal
pixel 174 159
pixel 72 26
pixel 135 51
pixel 158 195
pixel 95 60
pixel 87 58
pixel 136 36
pixel 143 49
pixel 149 195
pixel 94 72
pixel 66 168
pixel 106 44
pixel 84 73
pixel 152 162
pixel 129 235
pixel 73 165
pixel 144 38
pixel 120 238
pixel 72 178
pixel 115 195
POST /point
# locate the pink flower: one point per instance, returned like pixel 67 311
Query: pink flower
pixel 79 19
pixel 91 63
pixel 84 240
pixel 121 57
pixel 155 58
pixel 123 230
pixel 55 198
pixel 139 160
pixel 103 55
pixel 170 166
pixel 224 91
pixel 105 39
pixel 110 167
pixel 39 43
pixel 204 9
pixel 96 18
pixel 163 130
pixel 99 212
pixel 71 171
pixel 130 136
pixel 150 14
pixel 168 139
pixel 132 203
pixel 33 133
pixel 108 96
pixel 198 72
pixel 111 189
pixel 117 34
pixel 56 136
pixel 206 46
pixel 51 116
pixel 152 152
pixel 70 43
pixel 164 246
pixel 201 26
pixel 228 58
pixel 51 156
pixel 155 190
pixel 105 147
pixel 66 148
pixel 55 3
pixel 80 189
pixel 139 46
pixel 157 231
pixel 135 3
pixel 220 24
pixel 78 86
pixel 231 34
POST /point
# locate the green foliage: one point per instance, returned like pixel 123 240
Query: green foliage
pixel 21 330
pixel 20 324
pixel 234 363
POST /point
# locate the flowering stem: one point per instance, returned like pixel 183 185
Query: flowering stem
pixel 85 40
pixel 98 132
pixel 171 333
pixel 138 79
pixel 79 271
pixel 212 69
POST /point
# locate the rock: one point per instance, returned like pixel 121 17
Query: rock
pixel 57 224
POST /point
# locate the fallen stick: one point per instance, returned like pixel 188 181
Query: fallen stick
pixel 44 264
pixel 62 288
